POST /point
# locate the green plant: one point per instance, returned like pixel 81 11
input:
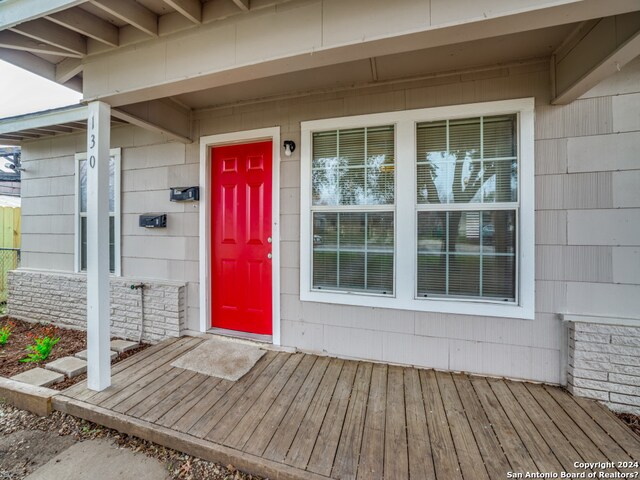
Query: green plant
pixel 42 346
pixel 5 332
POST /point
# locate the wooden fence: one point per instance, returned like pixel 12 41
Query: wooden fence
pixel 9 245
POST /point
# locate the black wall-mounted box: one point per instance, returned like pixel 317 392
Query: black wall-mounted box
pixel 185 194
pixel 153 220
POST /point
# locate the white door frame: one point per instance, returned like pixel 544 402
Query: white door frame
pixel 206 144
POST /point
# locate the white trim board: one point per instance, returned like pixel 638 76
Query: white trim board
pixel 404 297
pixel 206 143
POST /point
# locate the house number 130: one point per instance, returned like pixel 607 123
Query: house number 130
pixel 92 158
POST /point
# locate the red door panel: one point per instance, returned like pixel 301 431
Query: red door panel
pixel 241 228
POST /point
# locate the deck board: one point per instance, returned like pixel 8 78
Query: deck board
pixel 611 449
pixel 307 434
pixel 231 397
pixel 299 416
pixel 241 431
pixel 270 422
pixel 573 432
pixel 552 435
pixel 326 443
pixel 518 455
pixel 345 465
pixel 495 460
pixel 283 437
pixel 418 445
pixel 445 459
pixel 469 456
pixel 396 455
pixel 372 451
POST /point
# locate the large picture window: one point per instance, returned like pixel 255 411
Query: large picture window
pixel 428 210
pixel 114 211
pixel 467 204
pixel 353 189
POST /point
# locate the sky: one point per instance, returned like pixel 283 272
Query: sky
pixel 25 92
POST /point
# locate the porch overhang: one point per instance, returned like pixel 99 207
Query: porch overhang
pixel 164 117
pixel 128 52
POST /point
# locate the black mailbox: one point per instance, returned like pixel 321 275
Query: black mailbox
pixel 185 194
pixel 153 220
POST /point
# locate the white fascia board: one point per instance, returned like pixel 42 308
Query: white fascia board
pixel 43 119
pixel 14 12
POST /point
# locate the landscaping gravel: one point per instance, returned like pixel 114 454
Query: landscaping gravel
pixel 21 451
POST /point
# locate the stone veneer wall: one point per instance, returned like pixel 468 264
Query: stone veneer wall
pixel 604 364
pixel 62 298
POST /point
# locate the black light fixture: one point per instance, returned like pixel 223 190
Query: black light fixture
pixel 289 147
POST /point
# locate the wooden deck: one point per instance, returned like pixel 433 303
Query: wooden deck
pixel 310 417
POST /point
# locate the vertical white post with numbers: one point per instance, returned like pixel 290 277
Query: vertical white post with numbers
pixel 98 321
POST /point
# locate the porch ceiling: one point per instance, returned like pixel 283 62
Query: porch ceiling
pixel 536 44
pixel 51 38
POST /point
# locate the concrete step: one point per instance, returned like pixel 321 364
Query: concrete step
pixel 83 355
pixel 39 377
pixel 68 366
pixel 122 346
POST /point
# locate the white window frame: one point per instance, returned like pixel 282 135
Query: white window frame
pixel 116 214
pixel 405 264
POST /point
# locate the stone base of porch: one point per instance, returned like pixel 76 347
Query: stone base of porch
pixel 604 363
pixel 61 298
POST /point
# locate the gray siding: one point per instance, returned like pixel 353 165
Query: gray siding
pixel 587 217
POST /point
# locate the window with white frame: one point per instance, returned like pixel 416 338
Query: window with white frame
pixel 426 209
pixel 114 211
pixel 353 202
pixel 467 205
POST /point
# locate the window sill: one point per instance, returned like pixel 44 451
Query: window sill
pixel 466 307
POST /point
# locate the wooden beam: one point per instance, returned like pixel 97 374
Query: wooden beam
pixel 191 9
pixel 13 13
pixel 16 41
pixel 54 129
pixel 52 34
pixel 67 69
pixel 148 125
pixel 598 53
pixel 30 62
pixel 242 5
pixel 86 24
pixel 131 12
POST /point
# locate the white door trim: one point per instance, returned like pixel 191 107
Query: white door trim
pixel 206 143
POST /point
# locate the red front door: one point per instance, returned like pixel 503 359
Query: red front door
pixel 241 237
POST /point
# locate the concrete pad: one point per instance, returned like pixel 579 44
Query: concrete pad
pixel 122 346
pixel 100 459
pixel 83 354
pixel 69 366
pixel 39 377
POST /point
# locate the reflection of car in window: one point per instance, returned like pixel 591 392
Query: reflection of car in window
pixel 488 233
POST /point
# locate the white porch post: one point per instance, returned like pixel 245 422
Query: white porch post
pixel 98 321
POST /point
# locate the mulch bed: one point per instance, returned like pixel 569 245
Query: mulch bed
pixel 71 342
pixel 632 421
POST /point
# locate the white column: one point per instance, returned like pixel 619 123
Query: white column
pixel 98 321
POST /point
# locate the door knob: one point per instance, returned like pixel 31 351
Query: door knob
pixel 269 255
pixel 269 240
